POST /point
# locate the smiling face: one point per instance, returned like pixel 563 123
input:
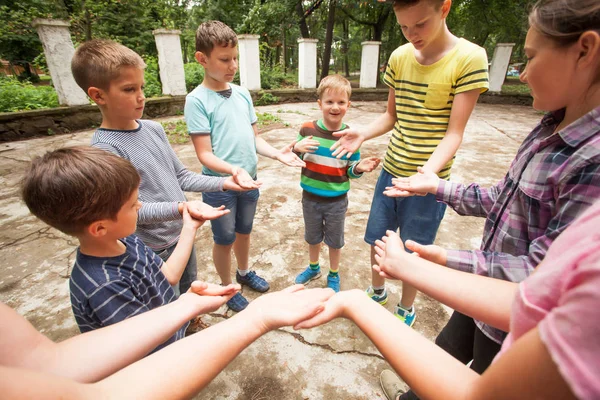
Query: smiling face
pixel 334 104
pixel 124 99
pixel 219 67
pixel 550 71
pixel 422 23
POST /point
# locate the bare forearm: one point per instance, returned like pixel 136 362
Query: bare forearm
pixel 444 152
pixel 417 360
pixel 265 149
pixel 383 124
pixel 190 363
pixel 214 163
pixel 486 299
pixel 174 266
pixel 100 353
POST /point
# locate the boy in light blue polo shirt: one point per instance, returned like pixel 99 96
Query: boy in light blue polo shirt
pixel 222 123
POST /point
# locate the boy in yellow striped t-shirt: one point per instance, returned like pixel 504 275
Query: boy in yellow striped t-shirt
pixel 435 81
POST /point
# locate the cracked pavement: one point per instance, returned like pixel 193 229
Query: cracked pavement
pixel 332 361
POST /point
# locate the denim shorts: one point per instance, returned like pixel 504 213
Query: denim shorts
pixel 417 217
pixel 324 221
pixel 242 206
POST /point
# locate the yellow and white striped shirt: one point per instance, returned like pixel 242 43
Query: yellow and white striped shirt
pixel 424 95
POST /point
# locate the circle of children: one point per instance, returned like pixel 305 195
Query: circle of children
pixel 527 303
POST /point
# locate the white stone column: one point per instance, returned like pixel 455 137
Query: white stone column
pixel 499 66
pixel 369 64
pixel 249 61
pixel 307 63
pixel 59 50
pixel 170 61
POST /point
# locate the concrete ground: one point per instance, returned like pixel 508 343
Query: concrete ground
pixel 332 361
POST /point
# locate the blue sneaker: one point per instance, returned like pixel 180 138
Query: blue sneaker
pixel 237 303
pixel 252 280
pixel 333 282
pixel 380 298
pixel 308 275
pixel 405 315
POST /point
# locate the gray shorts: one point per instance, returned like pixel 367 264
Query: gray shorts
pixel 324 221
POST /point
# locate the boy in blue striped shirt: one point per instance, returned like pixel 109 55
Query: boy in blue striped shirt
pixel 92 195
pixel 325 180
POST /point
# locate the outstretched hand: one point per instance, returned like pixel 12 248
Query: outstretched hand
pixel 288 307
pixel 349 141
pixel 390 256
pixel 367 165
pixel 431 252
pixel 244 180
pixel 286 156
pixel 419 184
pixel 209 297
pixel 335 307
pixel 201 211
pixel 306 145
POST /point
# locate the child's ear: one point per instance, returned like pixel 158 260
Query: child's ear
pixel 97 229
pixel 589 47
pixel 201 57
pixel 96 94
pixel 446 8
pixel 349 103
pixel 319 103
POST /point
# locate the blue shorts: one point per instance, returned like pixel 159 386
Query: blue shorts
pixel 239 220
pixel 417 217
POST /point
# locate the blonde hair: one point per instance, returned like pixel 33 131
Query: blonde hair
pixel 97 62
pixel 335 83
pixel 563 21
pixel 212 33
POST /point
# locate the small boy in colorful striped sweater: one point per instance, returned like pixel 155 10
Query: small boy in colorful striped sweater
pixel 326 180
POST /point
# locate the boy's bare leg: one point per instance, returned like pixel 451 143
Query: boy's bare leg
pixel 409 293
pixel 376 280
pixel 241 249
pixel 314 252
pixel 334 258
pixel 222 260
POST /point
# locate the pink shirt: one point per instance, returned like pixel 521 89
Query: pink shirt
pixel 562 298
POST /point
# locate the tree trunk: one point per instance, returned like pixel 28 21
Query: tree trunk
pixel 345 48
pixel 303 26
pixel 328 38
pixel 284 48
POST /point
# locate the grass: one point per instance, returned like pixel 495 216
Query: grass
pixel 512 85
pixel 177 131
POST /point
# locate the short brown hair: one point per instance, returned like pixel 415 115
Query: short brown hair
pixel 336 83
pixel 407 3
pixel 563 21
pixel 72 187
pixel 97 62
pixel 212 33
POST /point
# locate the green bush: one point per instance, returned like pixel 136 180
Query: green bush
pixel 275 78
pixel 153 87
pixel 194 75
pixel 264 99
pixel 17 96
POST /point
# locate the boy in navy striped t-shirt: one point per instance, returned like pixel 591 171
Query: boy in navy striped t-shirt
pixel 93 195
pixel 325 180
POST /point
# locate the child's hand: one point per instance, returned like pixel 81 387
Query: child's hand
pixel 335 307
pixel 288 307
pixel 349 141
pixel 244 180
pixel 390 256
pixel 208 297
pixel 200 212
pixel 306 145
pixel 367 165
pixel 286 156
pixel 420 184
pixel 231 184
pixel 431 252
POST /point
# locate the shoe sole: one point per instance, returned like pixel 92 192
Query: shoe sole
pixel 311 279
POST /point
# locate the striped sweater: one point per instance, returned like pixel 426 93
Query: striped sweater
pixel 325 177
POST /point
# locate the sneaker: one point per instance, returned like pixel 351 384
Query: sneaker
pixel 252 280
pixel 404 315
pixel 391 384
pixel 308 275
pixel 380 298
pixel 237 303
pixel 333 282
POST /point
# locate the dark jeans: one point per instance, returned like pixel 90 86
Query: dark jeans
pixel 190 273
pixel 465 342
